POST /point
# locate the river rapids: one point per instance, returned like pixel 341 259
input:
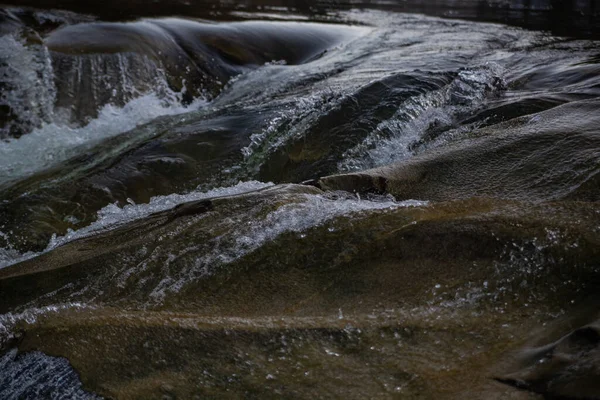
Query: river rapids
pixel 300 200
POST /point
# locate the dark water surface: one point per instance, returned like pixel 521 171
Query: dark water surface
pixel 270 199
pixel 564 17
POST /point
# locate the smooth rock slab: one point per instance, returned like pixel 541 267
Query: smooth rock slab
pixel 538 157
pixel 292 292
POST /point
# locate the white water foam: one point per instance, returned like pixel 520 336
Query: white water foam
pixel 54 142
pixel 10 256
pixel 313 211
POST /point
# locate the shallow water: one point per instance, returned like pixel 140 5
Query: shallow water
pixel 173 178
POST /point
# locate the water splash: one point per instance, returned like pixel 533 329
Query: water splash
pixel 55 106
pixel 52 143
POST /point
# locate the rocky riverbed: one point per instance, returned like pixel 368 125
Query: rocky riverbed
pixel 299 201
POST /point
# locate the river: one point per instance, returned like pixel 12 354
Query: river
pixel 307 199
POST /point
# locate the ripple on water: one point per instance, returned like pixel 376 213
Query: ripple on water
pixel 35 375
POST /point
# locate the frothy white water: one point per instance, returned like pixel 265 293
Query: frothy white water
pixel 289 123
pixel 10 256
pixel 55 142
pixel 313 211
pixel 40 98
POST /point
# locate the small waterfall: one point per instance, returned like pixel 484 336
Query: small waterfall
pixel 88 82
pixel 28 92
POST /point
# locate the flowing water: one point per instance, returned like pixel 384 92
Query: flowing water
pixel 312 200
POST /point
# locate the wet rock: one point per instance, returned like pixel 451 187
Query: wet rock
pixel 188 355
pixel 535 157
pixel 317 151
pixel 244 295
pixel 207 252
pixel 176 159
pixel 292 291
pixel 506 110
